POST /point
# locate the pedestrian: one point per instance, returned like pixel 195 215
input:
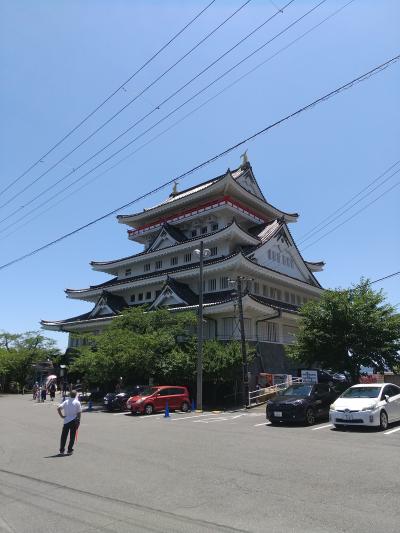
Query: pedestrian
pixel 52 390
pixel 35 390
pixel 43 394
pixel 72 418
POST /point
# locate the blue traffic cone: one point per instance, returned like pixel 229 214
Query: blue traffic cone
pixel 90 405
pixel 193 406
pixel 166 415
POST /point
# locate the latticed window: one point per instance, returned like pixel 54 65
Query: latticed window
pixel 214 250
pixel 268 331
pixel 256 287
pixel 188 258
pixel 147 267
pixel 223 283
pixel 158 265
pixel 212 284
pixel 128 272
pixel 174 261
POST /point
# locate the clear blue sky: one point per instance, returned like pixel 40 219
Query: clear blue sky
pixel 61 59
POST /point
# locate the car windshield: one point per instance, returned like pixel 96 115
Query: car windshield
pixel 362 392
pixel 147 391
pixel 297 390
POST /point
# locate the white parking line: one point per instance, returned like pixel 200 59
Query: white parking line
pixel 122 413
pixel 263 424
pixel 219 419
pixel 322 427
pixel 392 431
pixel 193 416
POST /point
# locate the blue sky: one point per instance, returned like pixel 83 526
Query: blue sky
pixel 61 59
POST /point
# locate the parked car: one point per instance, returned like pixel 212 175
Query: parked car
pixel 113 401
pixel 153 399
pixel 367 404
pixel 301 402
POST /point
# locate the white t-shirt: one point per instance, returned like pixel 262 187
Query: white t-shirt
pixel 71 408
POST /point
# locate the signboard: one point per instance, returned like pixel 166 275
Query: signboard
pixel 309 376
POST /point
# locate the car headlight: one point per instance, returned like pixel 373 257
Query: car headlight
pixel 332 407
pixel 369 407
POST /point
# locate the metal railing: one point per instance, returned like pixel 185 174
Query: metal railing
pixel 260 396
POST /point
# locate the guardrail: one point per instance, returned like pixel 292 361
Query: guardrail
pixel 260 396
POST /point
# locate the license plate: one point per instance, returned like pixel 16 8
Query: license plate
pixel 278 413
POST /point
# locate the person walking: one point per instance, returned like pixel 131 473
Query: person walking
pixel 43 393
pixel 52 391
pixel 72 418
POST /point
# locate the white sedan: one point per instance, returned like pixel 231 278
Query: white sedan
pixel 375 404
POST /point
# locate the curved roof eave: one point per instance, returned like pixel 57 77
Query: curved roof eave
pixel 115 262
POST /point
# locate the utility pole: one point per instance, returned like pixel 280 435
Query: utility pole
pixel 202 252
pixel 245 366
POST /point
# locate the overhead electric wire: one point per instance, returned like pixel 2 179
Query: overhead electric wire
pixel 169 127
pixel 349 204
pixel 353 215
pixel 386 277
pixel 108 98
pixel 324 98
pixel 158 122
pixel 131 101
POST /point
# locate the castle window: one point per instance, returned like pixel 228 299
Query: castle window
pixel 287 297
pixel 148 295
pixel 256 287
pixel 147 267
pixel 158 293
pixel 204 230
pixel 214 250
pixel 223 283
pixel 212 284
pixel 128 272
pixel 133 297
pixel 278 294
pixel 292 298
pixel 214 227
pixel 194 232
pixel 265 288
pixel 158 265
pixel 174 261
pixel 140 296
pixel 188 258
pixel 298 300
pixel 272 293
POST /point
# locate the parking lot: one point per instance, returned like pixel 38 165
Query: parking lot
pixel 211 471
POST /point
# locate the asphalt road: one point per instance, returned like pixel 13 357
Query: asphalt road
pixel 216 472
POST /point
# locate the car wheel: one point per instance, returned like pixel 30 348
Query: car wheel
pixel 185 407
pixel 383 421
pixel 274 422
pixel 339 426
pixel 148 410
pixel 310 417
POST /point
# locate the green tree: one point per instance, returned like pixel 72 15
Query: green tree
pixel 158 344
pixel 19 352
pixel 347 329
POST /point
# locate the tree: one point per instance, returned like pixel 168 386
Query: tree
pixel 347 329
pixel 20 351
pixel 162 345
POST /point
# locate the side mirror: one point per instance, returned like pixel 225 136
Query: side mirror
pixel 386 397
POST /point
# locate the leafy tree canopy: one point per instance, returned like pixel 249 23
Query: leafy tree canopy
pixel 158 344
pixel 347 329
pixel 19 351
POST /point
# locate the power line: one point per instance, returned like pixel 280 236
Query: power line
pixel 167 129
pixel 108 98
pixel 123 108
pixel 386 277
pixel 161 120
pixel 352 216
pixel 340 212
pixel 326 97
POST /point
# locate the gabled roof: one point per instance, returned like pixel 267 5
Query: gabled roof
pixel 235 180
pixel 181 291
pixel 114 262
pixel 167 229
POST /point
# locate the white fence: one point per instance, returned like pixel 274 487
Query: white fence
pixel 262 395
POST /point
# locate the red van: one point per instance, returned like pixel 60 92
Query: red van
pixel 153 399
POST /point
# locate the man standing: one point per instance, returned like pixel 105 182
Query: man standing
pixel 72 418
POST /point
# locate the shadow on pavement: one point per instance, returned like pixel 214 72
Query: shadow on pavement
pixel 56 455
